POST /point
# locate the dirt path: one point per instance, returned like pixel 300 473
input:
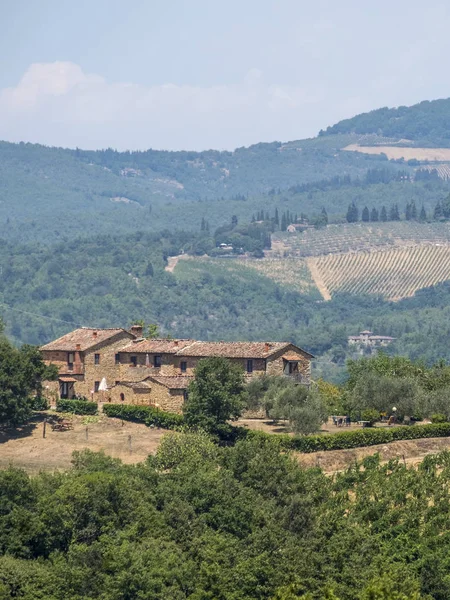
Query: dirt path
pixel 317 278
pixel 412 451
pixel 26 447
pixel 172 262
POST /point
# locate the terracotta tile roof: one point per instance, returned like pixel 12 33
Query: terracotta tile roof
pixel 135 385
pixel 85 337
pixel 233 349
pixel 172 382
pixel 156 346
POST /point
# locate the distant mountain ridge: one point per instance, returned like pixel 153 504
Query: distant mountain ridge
pixel 426 123
pixel 55 194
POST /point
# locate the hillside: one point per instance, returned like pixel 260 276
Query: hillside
pixel 353 237
pixel 425 123
pixel 56 194
pixel 393 274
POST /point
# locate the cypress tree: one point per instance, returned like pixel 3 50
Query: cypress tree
pixel 277 218
pixel 352 213
pixel 423 214
pixel 446 207
pixel 408 212
pixel 413 211
pixel 438 212
pixel 202 226
pixel 383 214
pixel 324 216
pixel 374 215
pixel 283 226
pixel 365 216
pixel 394 215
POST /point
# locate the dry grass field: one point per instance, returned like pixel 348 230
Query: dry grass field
pixel 396 152
pixel 394 273
pixel 26 448
pixel 292 272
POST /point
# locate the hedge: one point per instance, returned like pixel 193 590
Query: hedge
pixel 144 414
pixel 77 407
pixel 39 403
pixel 357 439
pixel 308 443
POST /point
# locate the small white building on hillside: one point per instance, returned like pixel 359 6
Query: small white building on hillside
pixel 366 339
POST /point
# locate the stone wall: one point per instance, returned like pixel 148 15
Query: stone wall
pixel 276 363
pixel 157 395
pixel 107 367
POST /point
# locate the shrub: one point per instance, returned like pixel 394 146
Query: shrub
pixel 77 407
pixel 356 439
pixel 371 415
pixel 439 418
pixel 39 403
pixel 144 414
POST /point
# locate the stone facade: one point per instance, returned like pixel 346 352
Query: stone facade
pixel 156 372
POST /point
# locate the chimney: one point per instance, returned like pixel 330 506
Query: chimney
pixel 94 333
pixel 266 347
pixel 136 330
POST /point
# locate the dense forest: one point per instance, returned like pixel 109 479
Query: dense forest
pixel 427 123
pixel 201 522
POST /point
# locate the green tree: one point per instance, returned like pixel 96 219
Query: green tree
pixel 408 212
pixel 365 216
pixel 383 214
pixel 438 212
pixel 394 214
pixel 446 207
pixel 21 375
pixel 374 217
pixel 352 213
pixel 216 395
pixel 423 214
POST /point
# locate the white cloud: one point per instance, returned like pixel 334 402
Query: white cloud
pixel 58 104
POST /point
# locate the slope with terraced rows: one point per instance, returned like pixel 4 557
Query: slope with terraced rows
pixel 357 237
pixel 392 273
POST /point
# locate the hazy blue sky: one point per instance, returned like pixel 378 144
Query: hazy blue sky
pixel 198 74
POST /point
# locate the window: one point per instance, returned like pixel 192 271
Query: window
pixel 122 397
pixel 117 359
pixel 70 360
pixel 157 360
pixel 183 366
pixel 185 395
pixel 117 382
pixel 250 366
pixel 97 359
pixel 96 386
pixel 133 361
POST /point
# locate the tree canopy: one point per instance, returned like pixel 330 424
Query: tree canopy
pixel 216 395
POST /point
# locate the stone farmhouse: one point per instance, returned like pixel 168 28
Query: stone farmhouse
pixel 117 365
